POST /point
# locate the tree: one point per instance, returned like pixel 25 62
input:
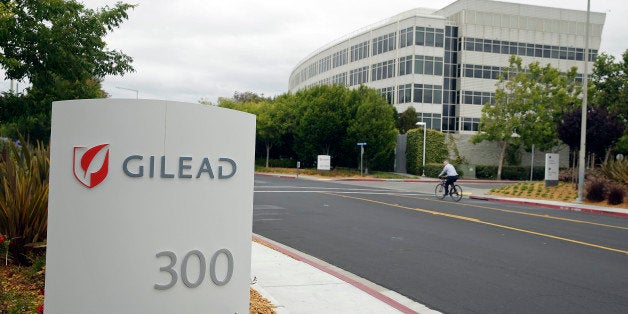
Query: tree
pixel 373 123
pixel 58 47
pixel 610 82
pixel 407 120
pixel 322 122
pixel 603 129
pixel 527 102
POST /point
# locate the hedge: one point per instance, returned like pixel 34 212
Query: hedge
pixel 435 151
pixel 510 173
pixel 277 163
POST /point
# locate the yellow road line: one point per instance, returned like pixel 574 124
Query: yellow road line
pixel 523 213
pixel 484 222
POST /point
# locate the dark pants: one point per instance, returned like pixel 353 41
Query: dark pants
pixel 450 181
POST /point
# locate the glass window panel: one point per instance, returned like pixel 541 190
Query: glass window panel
pixel 429 67
pixel 505 48
pixel 439 40
pixel 477 71
pixel 429 39
pixel 418 65
pixel 438 68
pixel 438 95
pixel 420 36
pixel 468 44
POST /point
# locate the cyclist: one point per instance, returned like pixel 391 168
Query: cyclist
pixel 452 176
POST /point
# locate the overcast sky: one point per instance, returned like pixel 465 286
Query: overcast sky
pixel 188 50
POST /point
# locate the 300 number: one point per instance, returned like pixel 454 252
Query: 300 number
pixel 202 266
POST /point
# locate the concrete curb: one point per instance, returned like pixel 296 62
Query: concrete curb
pixel 288 176
pixel 559 206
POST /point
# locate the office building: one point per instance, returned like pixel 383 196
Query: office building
pixel 445 62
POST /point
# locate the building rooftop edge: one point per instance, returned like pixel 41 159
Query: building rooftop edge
pixel 416 12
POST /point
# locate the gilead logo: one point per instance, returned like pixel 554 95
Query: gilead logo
pixel 91 165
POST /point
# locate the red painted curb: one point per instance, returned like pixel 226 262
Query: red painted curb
pixel 559 207
pixel 276 176
pixel 361 286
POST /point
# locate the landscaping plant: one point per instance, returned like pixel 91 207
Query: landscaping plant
pixel 23 197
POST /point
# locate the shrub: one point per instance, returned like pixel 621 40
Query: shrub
pixel 616 195
pixel 616 170
pixel 568 175
pixel 24 197
pixel 596 189
pixel 486 172
pixel 277 163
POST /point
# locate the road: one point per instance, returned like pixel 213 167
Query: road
pixel 467 257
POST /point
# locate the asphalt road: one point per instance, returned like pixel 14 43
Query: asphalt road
pixel 468 257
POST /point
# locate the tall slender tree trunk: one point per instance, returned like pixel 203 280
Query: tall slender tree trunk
pixel 500 164
pixel 268 147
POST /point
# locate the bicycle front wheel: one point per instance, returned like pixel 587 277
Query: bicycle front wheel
pixel 456 195
pixel 440 191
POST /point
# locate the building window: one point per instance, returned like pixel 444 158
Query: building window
pixel 428 94
pixel 388 93
pixel 384 43
pixel 428 65
pixel 383 70
pixel 339 58
pixel 406 37
pixel 470 124
pixel 340 79
pixel 526 49
pixel 404 94
pixel 405 65
pixel 432 120
pixel 477 98
pixel 428 36
pixel 359 51
pixel 358 76
pixel 324 64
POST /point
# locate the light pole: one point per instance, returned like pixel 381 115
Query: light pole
pixel 583 123
pixel 424 133
pixel 137 93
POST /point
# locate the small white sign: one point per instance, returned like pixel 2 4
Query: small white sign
pixel 551 169
pixel 150 208
pixel 324 162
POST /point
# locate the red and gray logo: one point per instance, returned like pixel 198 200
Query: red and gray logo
pixel 91 165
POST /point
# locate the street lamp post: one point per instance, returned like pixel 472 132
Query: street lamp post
pixel 583 123
pixel 137 93
pixel 424 133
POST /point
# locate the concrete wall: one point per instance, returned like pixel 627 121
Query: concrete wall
pixel 487 153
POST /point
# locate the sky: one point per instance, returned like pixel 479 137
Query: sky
pixel 192 50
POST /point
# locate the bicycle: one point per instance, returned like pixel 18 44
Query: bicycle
pixel 455 193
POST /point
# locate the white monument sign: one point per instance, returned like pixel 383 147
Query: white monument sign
pixel 323 162
pixel 551 169
pixel 150 208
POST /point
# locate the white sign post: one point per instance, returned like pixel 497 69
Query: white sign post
pixel 150 208
pixel 551 169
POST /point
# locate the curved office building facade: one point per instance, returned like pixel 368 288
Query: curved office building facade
pixel 445 62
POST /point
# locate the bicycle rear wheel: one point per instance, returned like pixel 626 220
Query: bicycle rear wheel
pixel 457 194
pixel 439 192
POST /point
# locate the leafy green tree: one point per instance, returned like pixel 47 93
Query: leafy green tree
pixel 528 102
pixel 58 47
pixel 321 123
pixel 373 123
pixel 610 82
pixel 407 120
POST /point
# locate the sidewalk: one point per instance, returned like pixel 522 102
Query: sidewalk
pixel 298 283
